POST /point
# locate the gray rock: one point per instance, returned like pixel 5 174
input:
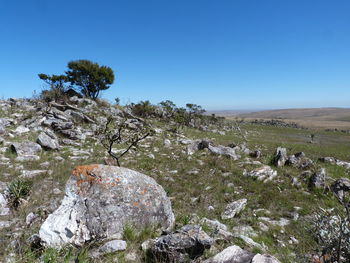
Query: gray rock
pixel 167 143
pixel 264 173
pixel 225 151
pixel 113 246
pixel 33 173
pixel 255 154
pixel 234 208
pixel 26 148
pixel 318 180
pixel 21 129
pixel 48 142
pixel 232 254
pixel 327 159
pixel 100 200
pixel 250 242
pixel 213 224
pixel 30 218
pixel 28 158
pixel 4 209
pixel 280 157
pixel 344 164
pixel 189 242
pixel 5 224
pixel 340 186
pixel 258 258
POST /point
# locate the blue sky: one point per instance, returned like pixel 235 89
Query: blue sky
pixel 235 54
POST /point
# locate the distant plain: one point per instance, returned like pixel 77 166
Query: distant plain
pixel 318 118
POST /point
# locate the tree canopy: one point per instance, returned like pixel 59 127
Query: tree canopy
pixel 89 77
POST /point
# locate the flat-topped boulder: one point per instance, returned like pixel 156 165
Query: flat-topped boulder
pixel 100 200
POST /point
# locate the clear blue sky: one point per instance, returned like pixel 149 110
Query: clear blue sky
pixel 234 54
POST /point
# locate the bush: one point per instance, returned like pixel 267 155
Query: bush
pixel 56 88
pixel 143 109
pixel 18 190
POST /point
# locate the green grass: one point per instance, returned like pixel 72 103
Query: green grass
pixel 209 187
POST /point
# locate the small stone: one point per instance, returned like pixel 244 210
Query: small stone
pixel 234 208
pixel 30 218
pixel 113 246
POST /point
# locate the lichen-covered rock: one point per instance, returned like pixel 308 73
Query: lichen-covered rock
pixel 189 242
pixel 100 200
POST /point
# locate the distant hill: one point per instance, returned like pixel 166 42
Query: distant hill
pixel 308 117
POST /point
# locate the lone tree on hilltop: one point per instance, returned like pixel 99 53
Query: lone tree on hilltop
pixel 89 77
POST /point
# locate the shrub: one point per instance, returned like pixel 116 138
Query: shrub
pixel 18 190
pixel 56 87
pixel 143 109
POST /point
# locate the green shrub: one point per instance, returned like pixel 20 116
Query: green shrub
pixel 17 190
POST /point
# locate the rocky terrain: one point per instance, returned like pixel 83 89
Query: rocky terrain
pixel 202 193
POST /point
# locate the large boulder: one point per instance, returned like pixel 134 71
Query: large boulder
pixel 26 148
pixel 189 242
pixel 100 200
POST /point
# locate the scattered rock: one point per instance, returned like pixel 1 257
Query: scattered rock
pixel 26 149
pixel 225 151
pixel 4 209
pixel 317 180
pixel 33 173
pixel 264 173
pixel 21 129
pixel 30 218
pixel 112 246
pixel 232 254
pixel 234 208
pixel 340 186
pixel 280 157
pixel 258 258
pixel 48 142
pixel 189 242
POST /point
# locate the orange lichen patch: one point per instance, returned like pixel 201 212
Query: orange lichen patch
pixel 84 170
pixel 89 174
pixel 135 203
pixel 143 192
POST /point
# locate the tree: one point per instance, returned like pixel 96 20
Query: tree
pixel 89 77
